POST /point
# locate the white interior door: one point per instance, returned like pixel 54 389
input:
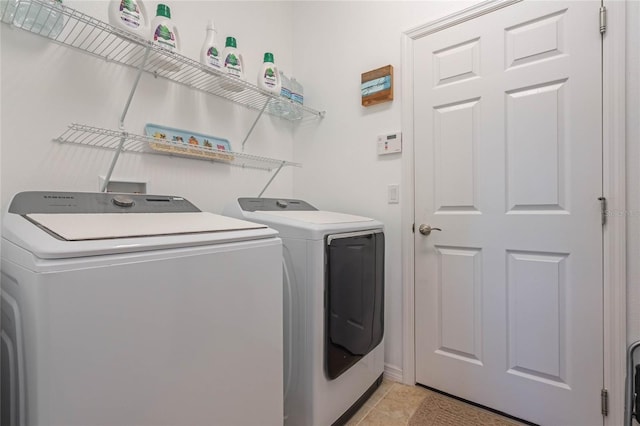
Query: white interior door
pixel 508 163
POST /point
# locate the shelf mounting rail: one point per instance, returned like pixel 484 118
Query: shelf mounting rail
pixel 123 138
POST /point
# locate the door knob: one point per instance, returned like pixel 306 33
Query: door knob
pixel 426 229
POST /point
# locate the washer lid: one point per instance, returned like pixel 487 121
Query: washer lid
pixel 57 225
pixel 100 226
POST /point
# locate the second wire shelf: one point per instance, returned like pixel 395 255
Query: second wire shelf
pixel 96 137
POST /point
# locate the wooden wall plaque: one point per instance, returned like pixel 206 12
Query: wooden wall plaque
pixel 377 86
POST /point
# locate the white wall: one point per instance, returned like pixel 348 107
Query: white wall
pixel 335 42
pixel 46 86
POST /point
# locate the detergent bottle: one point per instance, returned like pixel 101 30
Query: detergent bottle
pixel 210 54
pixel 233 66
pixel 268 76
pixel 164 35
pixel 233 63
pixel 129 15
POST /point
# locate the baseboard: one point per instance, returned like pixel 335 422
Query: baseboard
pixel 393 373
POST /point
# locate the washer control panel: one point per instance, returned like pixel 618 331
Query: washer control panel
pixel 99 202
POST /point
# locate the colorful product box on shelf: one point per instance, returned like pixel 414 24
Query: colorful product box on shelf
pixel 184 142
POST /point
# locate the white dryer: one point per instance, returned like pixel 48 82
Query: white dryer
pixel 334 307
pixel 138 310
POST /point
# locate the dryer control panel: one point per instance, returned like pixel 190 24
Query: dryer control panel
pixel 273 204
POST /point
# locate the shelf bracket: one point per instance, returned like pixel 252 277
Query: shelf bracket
pixel 272 178
pixel 135 86
pixel 107 178
pixel 254 124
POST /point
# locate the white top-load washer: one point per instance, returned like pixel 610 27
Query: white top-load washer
pixel 333 307
pixel 123 310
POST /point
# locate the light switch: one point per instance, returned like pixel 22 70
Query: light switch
pixel 393 194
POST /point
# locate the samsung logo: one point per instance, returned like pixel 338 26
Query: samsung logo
pixel 65 197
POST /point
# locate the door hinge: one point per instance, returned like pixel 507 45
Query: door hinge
pixel 604 401
pixel 603 19
pixel 603 209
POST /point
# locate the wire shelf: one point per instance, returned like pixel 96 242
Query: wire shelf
pixel 111 139
pixel 97 38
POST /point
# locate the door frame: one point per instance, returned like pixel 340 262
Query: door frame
pixel 614 189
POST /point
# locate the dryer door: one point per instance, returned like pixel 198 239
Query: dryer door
pixel 354 308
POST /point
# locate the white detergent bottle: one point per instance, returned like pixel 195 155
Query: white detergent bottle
pixel 268 76
pixel 233 63
pixel 164 35
pixel 210 55
pixel 129 15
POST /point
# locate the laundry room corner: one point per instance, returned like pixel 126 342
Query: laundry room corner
pixel 342 170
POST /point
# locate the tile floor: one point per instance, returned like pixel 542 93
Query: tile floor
pixel 393 404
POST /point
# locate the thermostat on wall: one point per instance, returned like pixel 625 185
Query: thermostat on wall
pixel 390 144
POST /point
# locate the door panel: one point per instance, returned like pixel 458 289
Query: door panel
pixel 460 287
pixel 535 146
pixel 508 162
pixel 535 40
pixel 537 305
pixel 455 147
pixel 457 63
